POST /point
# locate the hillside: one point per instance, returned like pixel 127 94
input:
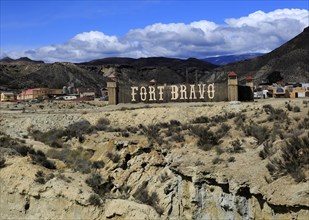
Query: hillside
pixel 70 160
pixel 291 60
pixel 25 73
pixel 142 70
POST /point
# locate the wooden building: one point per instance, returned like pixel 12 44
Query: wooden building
pixel 8 97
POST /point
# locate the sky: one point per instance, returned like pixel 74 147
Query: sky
pixel 77 31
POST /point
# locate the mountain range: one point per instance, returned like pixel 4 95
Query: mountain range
pixel 223 60
pixel 290 61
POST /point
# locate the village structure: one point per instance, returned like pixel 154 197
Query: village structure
pixel 152 93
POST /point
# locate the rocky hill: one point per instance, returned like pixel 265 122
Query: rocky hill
pixel 163 70
pixel 26 73
pixel 291 60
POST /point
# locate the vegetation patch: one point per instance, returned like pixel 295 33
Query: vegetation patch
pixel 293 160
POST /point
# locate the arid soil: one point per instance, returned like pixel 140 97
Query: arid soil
pixel 88 160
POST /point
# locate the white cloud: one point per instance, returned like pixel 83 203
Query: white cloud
pixel 257 32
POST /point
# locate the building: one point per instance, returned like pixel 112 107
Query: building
pixel 86 92
pixel 38 93
pixel 298 92
pixel 8 97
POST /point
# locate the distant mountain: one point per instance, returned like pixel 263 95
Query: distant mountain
pixel 291 61
pixel 222 60
pixel 21 59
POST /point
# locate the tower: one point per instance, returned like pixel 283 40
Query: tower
pixel 112 87
pixel 232 86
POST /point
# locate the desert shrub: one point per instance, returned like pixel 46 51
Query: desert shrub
pixel 2 161
pixel 219 150
pixel 172 130
pixel 239 120
pixel 99 185
pixel 112 156
pixel 178 137
pixel 296 109
pixel 219 118
pixel 53 137
pixel 216 160
pixel 151 132
pixel 293 160
pixel 98 164
pixel 275 114
pixel 261 133
pixel 231 159
pixel 163 177
pixel 132 130
pixel 41 178
pixel 125 134
pixel 82 166
pixel 18 148
pixel 77 129
pixel 23 150
pixel 94 199
pixel 267 150
pixel 230 115
pixel 150 199
pixel 14 146
pixel 236 147
pixel 175 123
pixel 77 159
pixel 268 108
pixel 304 124
pixel 102 124
pixel 200 120
pixel 289 107
pixel 223 129
pixel 207 138
pixel 50 137
pixel 40 158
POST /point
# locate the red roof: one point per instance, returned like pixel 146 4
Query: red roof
pixel 153 81
pixel 249 78
pixel 232 74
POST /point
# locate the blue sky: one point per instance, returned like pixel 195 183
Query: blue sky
pixel 82 30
